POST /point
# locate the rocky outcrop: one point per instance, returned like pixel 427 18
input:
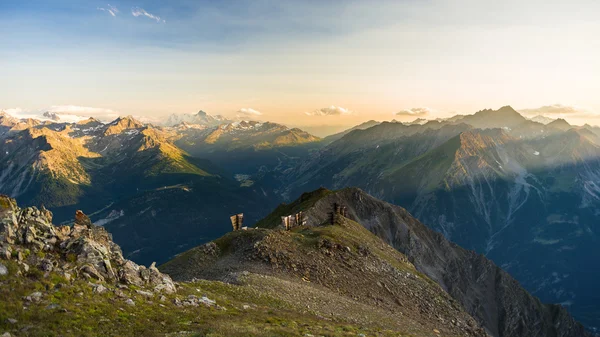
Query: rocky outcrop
pixel 83 250
pixel 361 274
pixel 487 292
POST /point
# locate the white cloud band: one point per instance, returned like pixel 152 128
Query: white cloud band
pixel 330 111
pixel 414 112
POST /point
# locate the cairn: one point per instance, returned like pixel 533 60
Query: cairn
pixel 339 212
pixel 291 221
pixel 237 221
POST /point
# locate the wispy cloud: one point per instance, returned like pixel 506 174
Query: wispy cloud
pixel 330 111
pixel 558 110
pixel 110 9
pixel 414 112
pixel 15 112
pixel 249 112
pixel 66 113
pixel 137 11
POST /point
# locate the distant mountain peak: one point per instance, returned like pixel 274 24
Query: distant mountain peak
pixel 560 124
pixel 52 115
pixel 200 118
pixel 88 121
pixel 542 119
pixel 123 123
pixel 505 117
pixel 418 121
pixel 507 109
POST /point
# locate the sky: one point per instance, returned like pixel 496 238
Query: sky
pixel 307 62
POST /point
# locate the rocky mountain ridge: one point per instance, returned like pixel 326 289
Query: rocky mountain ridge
pixel 489 294
pixel 367 281
pixel 84 250
pixel 521 192
pixel 114 169
pixel 201 119
pixel 74 281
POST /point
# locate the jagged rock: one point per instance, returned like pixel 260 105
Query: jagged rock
pixel 100 289
pixel 46 265
pixel 90 248
pixel 145 293
pixel 3 270
pixel 119 293
pixel 207 301
pixel 91 272
pixel 34 297
pixel 130 302
pixel 5 252
pixel 6 334
pixel 12 321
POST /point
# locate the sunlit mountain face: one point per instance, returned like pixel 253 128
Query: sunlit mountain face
pixel 521 192
pixel 162 119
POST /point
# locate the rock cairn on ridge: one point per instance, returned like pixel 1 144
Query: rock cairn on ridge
pixel 28 236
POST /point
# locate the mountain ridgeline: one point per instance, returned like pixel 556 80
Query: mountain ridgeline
pixel 152 195
pixel 523 193
pixel 400 266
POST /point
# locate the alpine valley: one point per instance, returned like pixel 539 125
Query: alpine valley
pixel 520 196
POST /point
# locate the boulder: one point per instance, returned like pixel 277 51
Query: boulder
pixel 84 249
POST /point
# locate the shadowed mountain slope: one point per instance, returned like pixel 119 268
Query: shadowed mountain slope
pixel 487 292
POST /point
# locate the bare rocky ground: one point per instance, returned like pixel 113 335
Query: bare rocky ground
pixel 339 271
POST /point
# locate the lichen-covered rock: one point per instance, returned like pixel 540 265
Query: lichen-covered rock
pixel 85 250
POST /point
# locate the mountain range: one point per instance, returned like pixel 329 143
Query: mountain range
pixel 523 192
pixel 131 178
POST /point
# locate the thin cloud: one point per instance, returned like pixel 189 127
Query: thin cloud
pixel 80 110
pixel 66 113
pixel 557 109
pixel 110 9
pixel 330 111
pixel 414 112
pixel 13 111
pixel 249 112
pixel 137 11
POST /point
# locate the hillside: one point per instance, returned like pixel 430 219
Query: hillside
pixel 248 147
pixel 339 271
pixel 122 172
pixel 74 281
pixel 486 292
pixel 520 192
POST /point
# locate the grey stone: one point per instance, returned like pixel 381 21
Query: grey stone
pixel 100 289
pixel 34 297
pixel 3 270
pixel 52 306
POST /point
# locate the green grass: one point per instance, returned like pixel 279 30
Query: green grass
pixel 82 312
pixel 306 201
